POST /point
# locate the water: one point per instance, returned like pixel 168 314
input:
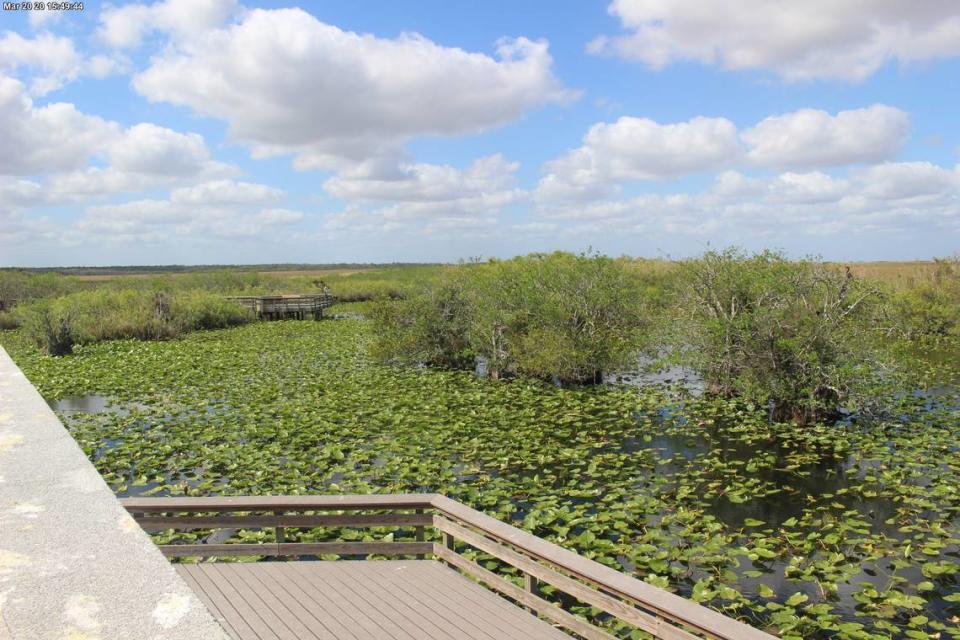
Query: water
pixel 93 404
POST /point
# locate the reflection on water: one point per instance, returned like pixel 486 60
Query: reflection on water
pixel 93 404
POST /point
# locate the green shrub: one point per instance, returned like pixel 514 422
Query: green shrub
pixel 930 307
pixel 113 314
pixel 761 327
pixel 52 327
pixel 8 320
pixel 192 310
pixel 18 287
pixel 561 316
pixel 428 328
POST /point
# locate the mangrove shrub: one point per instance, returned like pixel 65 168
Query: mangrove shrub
pixel 557 316
pixel 56 324
pixel 771 330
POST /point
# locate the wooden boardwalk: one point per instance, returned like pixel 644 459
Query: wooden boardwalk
pixel 441 589
pixel 286 306
pixel 357 600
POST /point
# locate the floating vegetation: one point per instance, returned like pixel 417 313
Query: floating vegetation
pixel 845 531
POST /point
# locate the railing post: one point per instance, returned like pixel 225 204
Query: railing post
pixel 448 543
pixel 281 532
pixel 420 535
pixel 532 586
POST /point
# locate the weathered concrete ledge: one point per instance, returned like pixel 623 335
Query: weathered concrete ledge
pixel 73 564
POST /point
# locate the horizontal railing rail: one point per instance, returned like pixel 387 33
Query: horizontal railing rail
pixel 660 613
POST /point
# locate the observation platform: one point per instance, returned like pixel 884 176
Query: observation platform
pixel 286 306
pixel 463 575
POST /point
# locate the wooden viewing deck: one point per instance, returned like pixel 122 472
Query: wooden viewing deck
pixel 433 594
pixel 286 306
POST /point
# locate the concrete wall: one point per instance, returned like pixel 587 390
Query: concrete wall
pixel 73 564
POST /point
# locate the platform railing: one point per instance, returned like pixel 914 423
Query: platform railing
pixel 458 529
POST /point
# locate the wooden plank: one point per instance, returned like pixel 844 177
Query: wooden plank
pixel 318 611
pixel 218 550
pixel 431 625
pixel 457 620
pixel 355 548
pixel 485 609
pixel 227 576
pixel 299 619
pixel 228 608
pixel 248 573
pixel 311 580
pixel 209 602
pixel 355 586
pixel 660 628
pixel 437 596
pixel 347 520
pixel 276 503
pixel 492 580
pixel 269 549
pixel 664 603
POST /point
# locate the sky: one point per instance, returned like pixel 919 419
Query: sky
pixel 216 132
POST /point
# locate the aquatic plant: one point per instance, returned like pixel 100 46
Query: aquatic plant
pixel 845 531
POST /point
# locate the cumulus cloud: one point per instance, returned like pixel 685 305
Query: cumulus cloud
pixel 125 26
pixel 288 83
pixel 812 138
pixel 52 61
pixel 54 58
pixel 16 193
pixel 797 40
pixel 901 181
pixel 424 197
pixel 222 208
pixel 225 192
pixel 60 142
pixel 148 148
pixel 639 149
pixel 54 137
pixel 886 198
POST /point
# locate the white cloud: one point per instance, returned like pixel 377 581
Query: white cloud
pixel 639 149
pixel 54 137
pixel 53 56
pixel 812 138
pixel 222 208
pixel 147 148
pixel 797 40
pixel 424 182
pixel 59 142
pixel 287 83
pixel 225 192
pixel 424 197
pixel 889 198
pixel 16 193
pixel 125 26
pixel 908 180
pixel 632 149
pixel 52 61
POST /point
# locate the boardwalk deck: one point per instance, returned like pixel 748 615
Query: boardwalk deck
pixel 407 599
pixel 286 306
pixel 357 599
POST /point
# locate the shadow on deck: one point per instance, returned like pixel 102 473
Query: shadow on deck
pixel 439 598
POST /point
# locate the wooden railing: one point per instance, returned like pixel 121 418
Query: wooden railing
pixel 285 306
pixel 660 613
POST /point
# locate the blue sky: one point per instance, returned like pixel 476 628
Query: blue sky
pixel 212 131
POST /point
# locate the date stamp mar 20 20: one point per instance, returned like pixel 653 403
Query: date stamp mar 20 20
pixel 43 6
